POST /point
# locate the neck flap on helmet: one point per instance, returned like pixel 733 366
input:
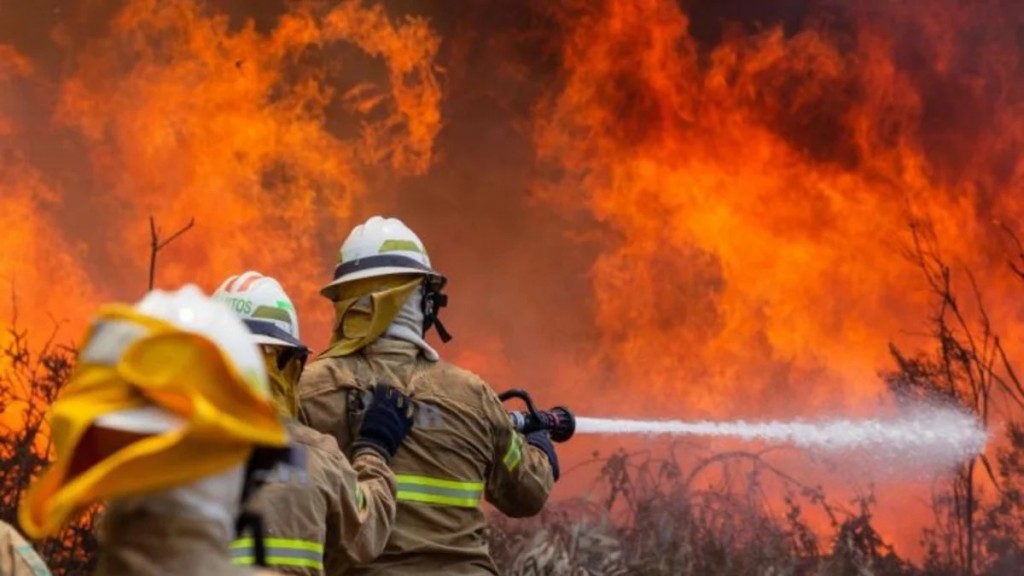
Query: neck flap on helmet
pixel 433 298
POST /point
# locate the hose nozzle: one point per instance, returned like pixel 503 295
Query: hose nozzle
pixel 559 421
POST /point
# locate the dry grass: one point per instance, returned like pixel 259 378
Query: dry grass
pixel 29 383
pixel 649 519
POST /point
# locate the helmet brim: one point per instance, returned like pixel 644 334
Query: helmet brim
pixel 270 340
pixel 267 333
pixel 330 290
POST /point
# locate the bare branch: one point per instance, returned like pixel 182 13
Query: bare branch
pixel 1017 262
pixel 969 365
pixel 1017 392
pixel 186 228
pixel 155 245
pixel 989 471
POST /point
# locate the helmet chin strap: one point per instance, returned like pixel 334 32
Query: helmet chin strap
pixel 433 301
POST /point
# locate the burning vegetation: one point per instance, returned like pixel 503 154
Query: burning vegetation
pixel 648 208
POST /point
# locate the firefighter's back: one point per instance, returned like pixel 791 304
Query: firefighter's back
pixel 444 464
pixel 293 504
pixel 322 513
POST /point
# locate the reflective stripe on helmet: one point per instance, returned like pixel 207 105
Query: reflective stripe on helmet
pixel 248 282
pixel 242 282
pixel 400 246
pixel 276 313
pixel 428 490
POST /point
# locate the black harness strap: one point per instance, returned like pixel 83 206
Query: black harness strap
pixel 261 462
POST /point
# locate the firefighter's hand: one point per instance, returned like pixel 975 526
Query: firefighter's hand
pixel 387 420
pixel 542 439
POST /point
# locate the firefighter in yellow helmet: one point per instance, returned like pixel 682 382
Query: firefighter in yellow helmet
pixel 464 448
pixel 17 557
pixel 321 518
pixel 168 419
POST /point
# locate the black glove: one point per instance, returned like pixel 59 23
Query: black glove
pixel 386 421
pixel 542 439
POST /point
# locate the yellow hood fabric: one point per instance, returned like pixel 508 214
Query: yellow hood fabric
pixel 283 381
pixel 365 308
pixel 132 361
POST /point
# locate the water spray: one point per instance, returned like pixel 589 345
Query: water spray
pixel 933 435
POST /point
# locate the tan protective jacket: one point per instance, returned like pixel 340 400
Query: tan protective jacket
pixel 142 543
pixel 17 557
pixel 461 450
pixel 321 519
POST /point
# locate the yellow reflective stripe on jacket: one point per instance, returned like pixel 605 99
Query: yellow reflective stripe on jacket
pixel 514 455
pixel 280 552
pixel 360 498
pixel 429 490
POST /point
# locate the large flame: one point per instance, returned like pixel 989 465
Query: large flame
pixel 265 138
pixel 39 265
pixel 757 194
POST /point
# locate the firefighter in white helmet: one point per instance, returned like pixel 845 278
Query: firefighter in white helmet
pixel 463 449
pixel 167 418
pixel 331 513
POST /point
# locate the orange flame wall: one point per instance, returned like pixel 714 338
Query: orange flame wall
pixel 174 109
pixel 758 191
pixel 644 207
pixel 40 265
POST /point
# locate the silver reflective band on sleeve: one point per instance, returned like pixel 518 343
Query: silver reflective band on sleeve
pixel 427 490
pixel 280 552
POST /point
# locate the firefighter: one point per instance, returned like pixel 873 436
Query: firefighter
pixel 168 418
pixel 463 449
pixel 17 557
pixel 331 512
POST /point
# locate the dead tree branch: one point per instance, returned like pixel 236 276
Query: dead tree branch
pixel 155 245
pixel 970 367
pixel 1017 259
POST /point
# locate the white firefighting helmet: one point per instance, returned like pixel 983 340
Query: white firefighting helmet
pixel 380 247
pixel 264 307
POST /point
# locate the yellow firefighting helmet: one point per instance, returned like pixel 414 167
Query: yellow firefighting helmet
pixel 164 393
